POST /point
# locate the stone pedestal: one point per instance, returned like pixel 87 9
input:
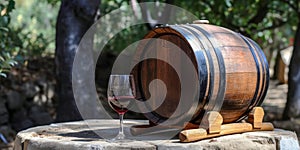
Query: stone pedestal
pixel 80 135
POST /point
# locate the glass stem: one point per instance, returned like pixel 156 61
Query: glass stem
pixel 121 131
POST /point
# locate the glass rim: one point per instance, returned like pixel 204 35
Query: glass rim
pixel 121 75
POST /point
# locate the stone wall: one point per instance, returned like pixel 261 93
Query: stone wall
pixel 27 97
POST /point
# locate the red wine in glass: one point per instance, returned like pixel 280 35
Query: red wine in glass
pixel 120 103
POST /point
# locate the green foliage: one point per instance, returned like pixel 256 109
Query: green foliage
pixel 35 22
pixel 9 42
pixel 107 6
pixel 27 30
pixel 6 62
pixel 126 36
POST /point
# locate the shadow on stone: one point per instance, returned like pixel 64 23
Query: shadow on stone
pixel 88 135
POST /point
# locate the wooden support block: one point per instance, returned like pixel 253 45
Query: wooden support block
pixel 233 128
pixel 215 121
pixel 199 134
pixel 266 126
pixel 192 135
pixel 256 117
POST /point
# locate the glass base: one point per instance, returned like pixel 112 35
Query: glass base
pixel 120 138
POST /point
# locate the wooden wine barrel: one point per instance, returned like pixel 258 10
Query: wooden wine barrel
pixel 230 67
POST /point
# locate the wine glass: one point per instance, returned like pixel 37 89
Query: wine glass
pixel 121 92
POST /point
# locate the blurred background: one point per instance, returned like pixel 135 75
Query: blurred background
pixel 29 54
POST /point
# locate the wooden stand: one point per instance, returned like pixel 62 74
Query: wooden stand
pixel 214 127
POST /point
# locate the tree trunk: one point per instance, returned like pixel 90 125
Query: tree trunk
pixel 74 19
pixel 276 65
pixel 292 108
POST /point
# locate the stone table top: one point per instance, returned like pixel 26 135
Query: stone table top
pixel 94 135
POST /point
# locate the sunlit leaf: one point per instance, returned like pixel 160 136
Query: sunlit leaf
pixel 3 75
pixel 4 29
pixel 228 3
pixel 11 62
